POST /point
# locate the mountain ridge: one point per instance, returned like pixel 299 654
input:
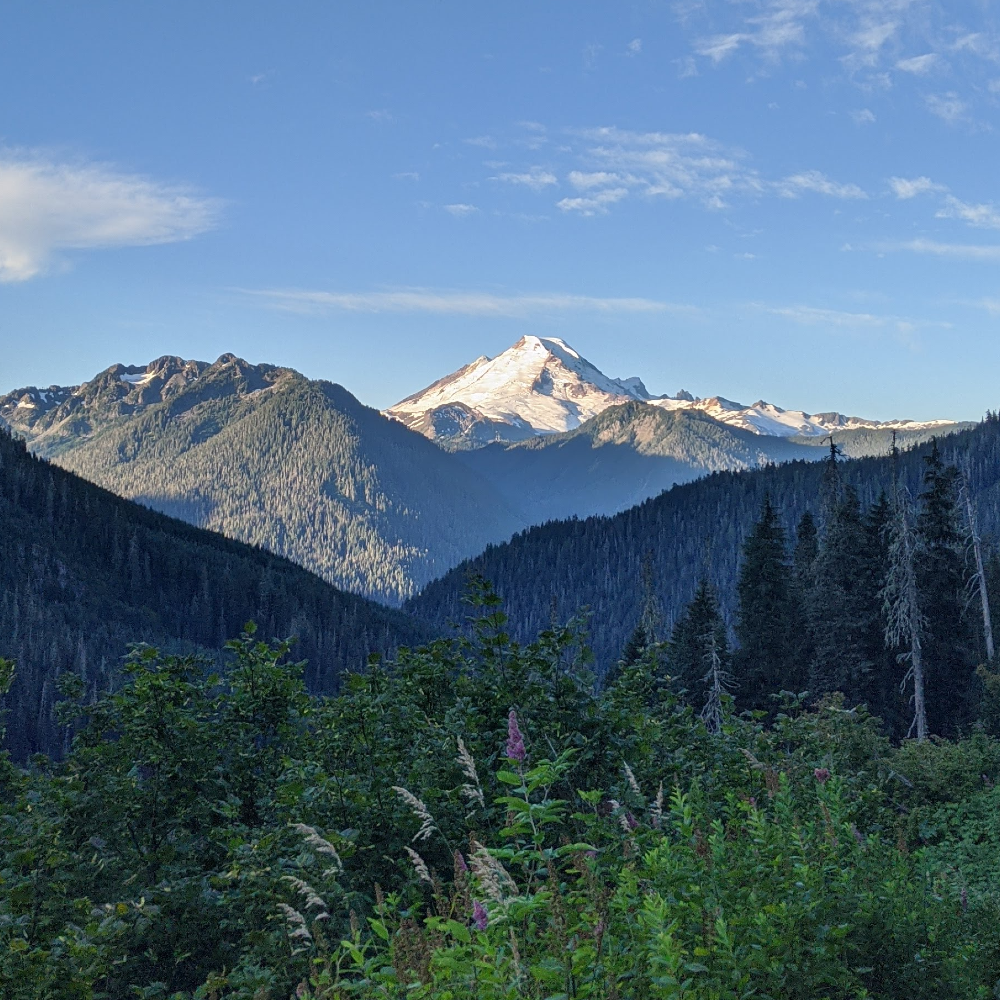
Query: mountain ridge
pixel 270 457
pixel 541 386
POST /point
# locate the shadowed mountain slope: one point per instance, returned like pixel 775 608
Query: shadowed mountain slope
pixel 83 573
pixel 694 529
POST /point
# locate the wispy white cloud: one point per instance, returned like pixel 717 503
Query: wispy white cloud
pixel 455 303
pixel 817 316
pixel 777 26
pixel 867 41
pixel 899 327
pixel 584 181
pixel 717 47
pixel 47 207
pixel 482 141
pixel 863 116
pixel 985 216
pixel 595 204
pixel 904 188
pixel 460 210
pixel 536 178
pixel 608 165
pixel 634 47
pixel 661 164
pixel 949 107
pixel 818 183
pixel 918 65
pixel 958 251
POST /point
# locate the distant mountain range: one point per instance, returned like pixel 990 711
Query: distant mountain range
pixel 381 504
pixel 542 386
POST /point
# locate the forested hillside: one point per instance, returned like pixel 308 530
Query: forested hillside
pixel 694 531
pixel 272 458
pixel 83 573
pixel 634 451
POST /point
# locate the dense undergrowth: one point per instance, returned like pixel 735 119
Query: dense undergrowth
pixel 475 821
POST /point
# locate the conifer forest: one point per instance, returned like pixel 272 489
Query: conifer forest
pixel 796 800
pixel 499 500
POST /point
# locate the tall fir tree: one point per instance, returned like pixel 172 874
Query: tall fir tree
pixel 881 691
pixel 766 615
pixel 949 641
pixel 841 604
pixel 804 559
pixel 699 633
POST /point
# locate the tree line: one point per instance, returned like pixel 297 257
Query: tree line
pixel 887 603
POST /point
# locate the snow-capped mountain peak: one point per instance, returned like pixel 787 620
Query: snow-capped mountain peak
pixel 540 384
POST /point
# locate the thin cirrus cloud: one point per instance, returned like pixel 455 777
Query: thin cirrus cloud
pixel 818 316
pixel 905 188
pixel 47 207
pixel 958 251
pixel 817 183
pixel 608 165
pixel 453 303
pixel 981 216
pixel 918 65
pixel 536 178
pixel 948 107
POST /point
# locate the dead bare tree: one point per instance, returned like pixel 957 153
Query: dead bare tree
pixel 974 542
pixel 719 682
pixel 905 623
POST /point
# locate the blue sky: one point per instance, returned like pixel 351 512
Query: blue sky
pixel 793 200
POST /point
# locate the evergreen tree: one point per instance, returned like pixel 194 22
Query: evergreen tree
pixel 646 634
pixel 842 605
pixel 804 584
pixel 766 661
pixel 881 690
pixel 941 581
pixel 699 635
pixel 905 625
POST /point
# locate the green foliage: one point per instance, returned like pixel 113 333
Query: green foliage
pixel 472 819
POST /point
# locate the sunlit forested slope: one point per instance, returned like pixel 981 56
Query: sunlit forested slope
pixel 270 457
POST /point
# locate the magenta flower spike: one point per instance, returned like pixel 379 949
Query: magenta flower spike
pixel 822 775
pixel 515 741
pixel 479 915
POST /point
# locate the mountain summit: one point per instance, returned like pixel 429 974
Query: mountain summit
pixel 542 386
pixel 538 386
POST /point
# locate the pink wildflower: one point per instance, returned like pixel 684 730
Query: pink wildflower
pixel 460 864
pixel 515 741
pixel 822 775
pixel 479 915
